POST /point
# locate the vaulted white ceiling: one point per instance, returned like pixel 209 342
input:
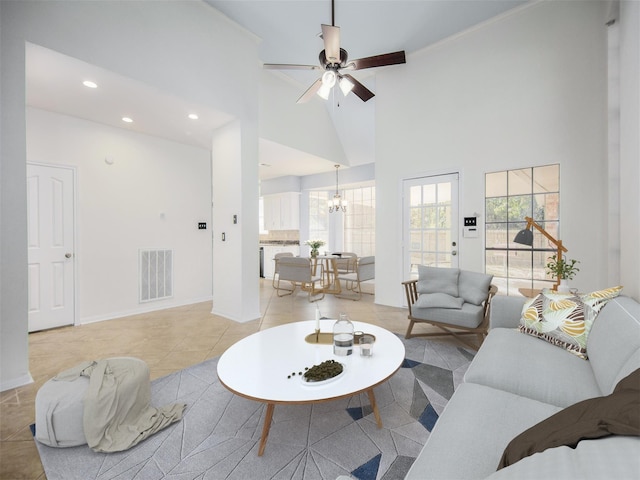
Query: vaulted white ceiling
pixel 289 34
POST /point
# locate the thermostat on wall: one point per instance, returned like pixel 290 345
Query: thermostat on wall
pixel 470 229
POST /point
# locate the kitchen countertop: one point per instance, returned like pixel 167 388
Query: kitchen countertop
pixel 279 242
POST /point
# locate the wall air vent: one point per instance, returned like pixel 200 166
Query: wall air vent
pixel 156 274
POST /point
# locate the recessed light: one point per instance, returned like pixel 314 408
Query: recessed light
pixel 193 116
pixel 127 120
pixel 90 84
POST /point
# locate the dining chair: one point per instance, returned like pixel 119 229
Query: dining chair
pixel 347 262
pixel 365 269
pixel 298 272
pixel 276 257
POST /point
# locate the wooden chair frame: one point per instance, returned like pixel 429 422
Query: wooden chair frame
pixel 411 291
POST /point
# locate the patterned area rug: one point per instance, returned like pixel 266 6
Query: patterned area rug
pixel 219 435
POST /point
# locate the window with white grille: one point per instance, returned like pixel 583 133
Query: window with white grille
pixel 156 274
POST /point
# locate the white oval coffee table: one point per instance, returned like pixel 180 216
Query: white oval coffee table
pixel 258 366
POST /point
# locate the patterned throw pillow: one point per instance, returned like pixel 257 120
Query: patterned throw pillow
pixel 564 319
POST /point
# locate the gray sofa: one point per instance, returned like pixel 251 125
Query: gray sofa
pixel 515 381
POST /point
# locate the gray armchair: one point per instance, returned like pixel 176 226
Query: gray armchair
pixel 453 300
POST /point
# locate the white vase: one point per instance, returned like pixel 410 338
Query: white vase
pixel 564 286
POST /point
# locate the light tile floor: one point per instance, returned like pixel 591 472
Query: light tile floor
pixel 168 340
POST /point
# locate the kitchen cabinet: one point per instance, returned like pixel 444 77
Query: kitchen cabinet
pixel 269 254
pixel 281 211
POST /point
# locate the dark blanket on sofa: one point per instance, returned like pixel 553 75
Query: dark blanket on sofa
pixel 615 414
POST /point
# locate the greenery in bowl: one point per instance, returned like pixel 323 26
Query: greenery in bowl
pixel 315 244
pixel 564 268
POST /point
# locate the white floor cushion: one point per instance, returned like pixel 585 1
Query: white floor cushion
pixel 59 412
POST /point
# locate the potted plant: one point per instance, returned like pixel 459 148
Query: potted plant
pixel 563 270
pixel 315 245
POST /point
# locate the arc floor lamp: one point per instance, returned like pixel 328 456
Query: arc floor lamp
pixel 525 237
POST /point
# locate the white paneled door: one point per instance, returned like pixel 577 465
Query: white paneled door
pixel 50 212
pixel 430 208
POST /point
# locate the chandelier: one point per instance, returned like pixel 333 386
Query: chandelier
pixel 337 204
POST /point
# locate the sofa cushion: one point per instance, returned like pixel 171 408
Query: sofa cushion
pixel 614 414
pixel 611 457
pixel 438 300
pixel 505 311
pixel 469 316
pixel 528 366
pixel 458 446
pixel 474 286
pixel 564 319
pixel 614 342
pixel 438 280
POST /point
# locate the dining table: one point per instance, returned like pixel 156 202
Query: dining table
pixel 330 280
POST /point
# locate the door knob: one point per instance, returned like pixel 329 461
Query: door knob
pixel 68 255
pixel 454 253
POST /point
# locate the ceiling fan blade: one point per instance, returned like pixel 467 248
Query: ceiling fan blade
pixel 359 89
pixel 311 91
pixel 331 37
pixel 394 58
pixel 287 66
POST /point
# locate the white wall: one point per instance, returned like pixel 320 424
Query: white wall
pixel 526 89
pixel 230 197
pixel 306 127
pixel 177 47
pixel 630 147
pixel 152 196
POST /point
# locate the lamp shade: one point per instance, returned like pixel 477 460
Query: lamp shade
pixel 524 237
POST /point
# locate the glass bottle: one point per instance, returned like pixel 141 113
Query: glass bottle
pixel 343 336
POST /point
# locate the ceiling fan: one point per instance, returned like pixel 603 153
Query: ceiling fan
pixel 333 59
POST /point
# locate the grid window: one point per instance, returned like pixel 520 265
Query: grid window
pixel 319 216
pixel 360 221
pixel 359 226
pixel 510 196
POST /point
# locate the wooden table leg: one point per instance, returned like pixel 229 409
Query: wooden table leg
pixel 374 407
pixel 336 281
pixel 266 427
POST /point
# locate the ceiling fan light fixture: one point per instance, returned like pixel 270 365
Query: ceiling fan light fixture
pixel 324 91
pixel 329 78
pixel 333 59
pixel 346 85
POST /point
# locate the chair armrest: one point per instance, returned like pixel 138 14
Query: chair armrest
pixel 411 291
pixel 506 311
pixel 487 303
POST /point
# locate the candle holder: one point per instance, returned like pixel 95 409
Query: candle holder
pixel 319 338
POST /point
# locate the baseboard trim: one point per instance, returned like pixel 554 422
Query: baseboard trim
pixel 16 382
pixel 146 309
pixel 220 313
